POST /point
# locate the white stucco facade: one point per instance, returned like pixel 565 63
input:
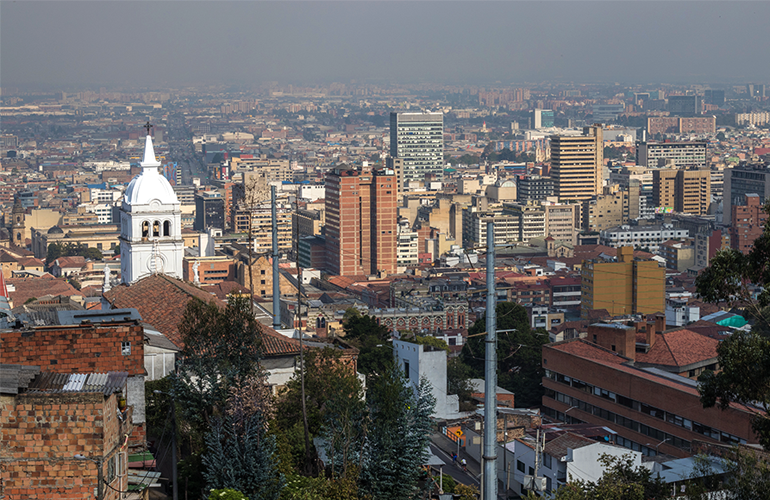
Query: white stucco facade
pixel 419 361
pixel 150 224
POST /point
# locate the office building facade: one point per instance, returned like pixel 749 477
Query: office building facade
pixel 577 164
pixel 747 223
pixel 418 140
pixel 209 211
pixel 361 232
pixel 691 154
pixel 743 180
pixel 685 191
pixel 533 187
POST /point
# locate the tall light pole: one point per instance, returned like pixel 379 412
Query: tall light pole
pixel 489 458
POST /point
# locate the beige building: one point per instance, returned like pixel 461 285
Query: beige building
pixel 502 190
pixel 577 163
pixel 615 206
pixel 99 236
pixel 262 271
pixel 686 191
pixel 272 169
pixel 262 227
pixel 560 220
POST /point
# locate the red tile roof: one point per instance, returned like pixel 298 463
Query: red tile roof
pixel 588 350
pixel 161 301
pixel 27 288
pixel 568 441
pixel 679 348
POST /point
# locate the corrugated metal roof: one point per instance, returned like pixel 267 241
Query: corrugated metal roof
pixel 15 377
pixel 106 383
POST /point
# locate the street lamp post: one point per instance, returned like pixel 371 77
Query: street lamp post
pixel 175 488
pixel 658 445
pixel 99 474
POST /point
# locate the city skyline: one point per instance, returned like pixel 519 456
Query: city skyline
pixel 244 43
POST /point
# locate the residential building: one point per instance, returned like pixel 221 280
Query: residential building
pixel 577 164
pixel 708 243
pixel 679 313
pixel 626 286
pixel 747 223
pixel 423 362
pixel 560 220
pixel 612 208
pixel 742 180
pixel 361 229
pixel 542 118
pixel 66 434
pixel 603 113
pixel 531 218
pixel 407 248
pixel 261 218
pixel 208 270
pixel 272 169
pixel 533 187
pixel 565 292
pixel 541 316
pixel 690 154
pixel 679 255
pixel 418 140
pixel 643 236
pixel 692 192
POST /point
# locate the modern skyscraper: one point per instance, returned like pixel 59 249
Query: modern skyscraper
pixel 577 163
pixel 418 140
pixel 361 222
pixel 743 180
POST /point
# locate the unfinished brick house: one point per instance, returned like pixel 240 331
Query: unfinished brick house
pixel 86 347
pixel 62 436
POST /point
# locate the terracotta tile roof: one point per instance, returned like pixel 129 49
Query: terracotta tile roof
pixel 679 348
pixel 708 329
pixel 68 262
pixel 225 288
pixel 584 349
pixel 27 288
pixel 558 447
pixel 160 300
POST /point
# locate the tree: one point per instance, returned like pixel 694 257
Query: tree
pixel 518 353
pixel 748 473
pixel 620 481
pixel 721 136
pixel 221 351
pixel 372 340
pixel 458 376
pixel 240 453
pixel 430 340
pixel 398 435
pixel 744 376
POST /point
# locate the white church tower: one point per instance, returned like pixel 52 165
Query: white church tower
pixel 150 224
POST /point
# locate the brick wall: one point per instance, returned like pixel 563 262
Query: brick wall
pixel 76 349
pixel 40 434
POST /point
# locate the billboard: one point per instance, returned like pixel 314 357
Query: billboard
pixel 664 210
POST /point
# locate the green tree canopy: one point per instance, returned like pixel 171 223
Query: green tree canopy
pixel 743 358
pixel 621 481
pixel 372 340
pixel 518 353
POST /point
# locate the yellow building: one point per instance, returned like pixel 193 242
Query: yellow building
pixel 626 286
pixel 686 191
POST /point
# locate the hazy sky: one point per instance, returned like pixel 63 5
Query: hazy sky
pixel 174 43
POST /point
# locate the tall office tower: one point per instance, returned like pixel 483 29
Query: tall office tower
pixel 542 118
pixel 418 140
pixel 360 226
pixel 684 105
pixel 577 164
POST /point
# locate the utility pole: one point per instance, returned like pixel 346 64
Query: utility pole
pixel 276 275
pixel 489 458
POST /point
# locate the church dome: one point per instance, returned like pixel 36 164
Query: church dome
pixel 56 230
pixel 149 185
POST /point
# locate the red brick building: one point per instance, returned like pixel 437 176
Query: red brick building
pixel 361 216
pixel 85 348
pixel 747 223
pixel 639 395
pixel 211 270
pixel 63 436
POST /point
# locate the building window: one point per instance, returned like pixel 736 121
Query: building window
pixel 145 229
pixel 406 369
pixel 167 228
pixel 262 271
pixel 520 466
pixel 125 348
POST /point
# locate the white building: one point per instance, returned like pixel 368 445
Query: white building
pixel 565 458
pixel 407 249
pixel 151 224
pixel 650 237
pixel 103 211
pixel 419 361
pixel 678 313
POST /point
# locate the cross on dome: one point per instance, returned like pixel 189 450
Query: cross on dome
pixel 149 154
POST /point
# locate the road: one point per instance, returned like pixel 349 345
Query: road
pixel 455 470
